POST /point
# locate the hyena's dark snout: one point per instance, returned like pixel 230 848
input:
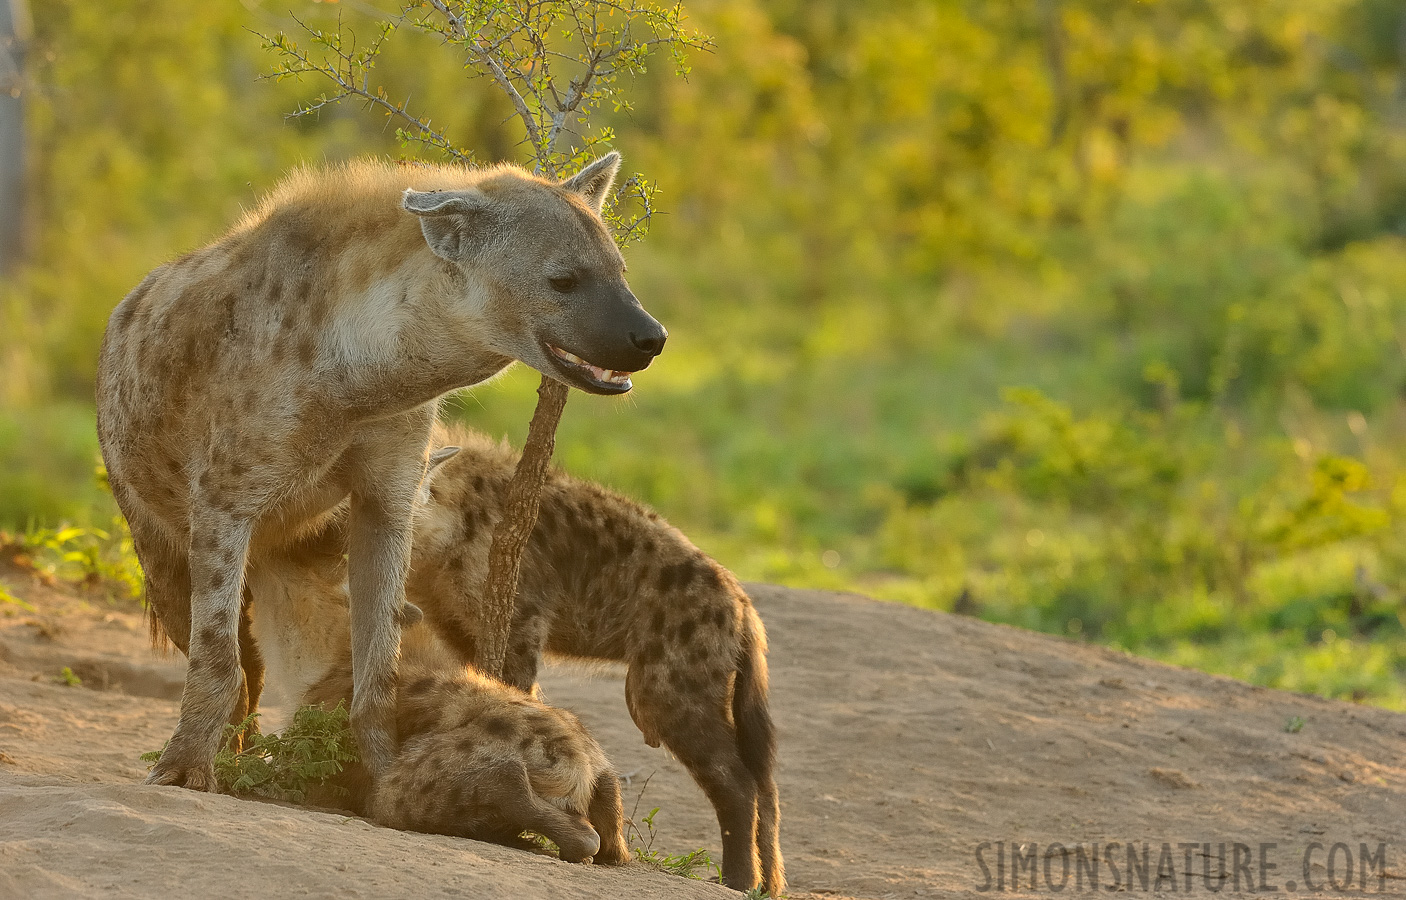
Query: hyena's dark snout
pixel 649 340
pixel 624 337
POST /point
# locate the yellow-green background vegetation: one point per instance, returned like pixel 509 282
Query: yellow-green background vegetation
pixel 1083 315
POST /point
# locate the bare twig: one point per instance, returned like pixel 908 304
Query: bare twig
pixel 493 64
pixel 495 610
pixel 345 71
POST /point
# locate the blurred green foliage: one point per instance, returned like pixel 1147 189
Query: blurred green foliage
pixel 1082 315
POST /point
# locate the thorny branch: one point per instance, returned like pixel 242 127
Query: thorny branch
pixel 345 68
pixel 519 45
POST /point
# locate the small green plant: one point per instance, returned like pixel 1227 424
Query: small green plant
pixel 697 864
pixel 67 677
pixel 91 556
pixel 1294 725
pixel 314 747
pixel 541 840
pixel 757 893
pixel 7 598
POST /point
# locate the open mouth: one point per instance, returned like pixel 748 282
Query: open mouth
pixel 604 381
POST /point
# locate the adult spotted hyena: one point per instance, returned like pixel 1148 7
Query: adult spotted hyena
pixel 249 388
pixel 605 578
pixel 482 760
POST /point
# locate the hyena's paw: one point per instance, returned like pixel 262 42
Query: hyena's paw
pixel 612 853
pixel 195 777
pixel 578 845
pixel 375 743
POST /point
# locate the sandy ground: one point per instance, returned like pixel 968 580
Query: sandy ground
pixel 909 739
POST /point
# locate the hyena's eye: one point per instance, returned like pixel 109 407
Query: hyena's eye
pixel 563 284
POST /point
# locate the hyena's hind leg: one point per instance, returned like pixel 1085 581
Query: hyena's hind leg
pixel 165 585
pixel 251 665
pixel 607 817
pixel 570 831
pixel 705 742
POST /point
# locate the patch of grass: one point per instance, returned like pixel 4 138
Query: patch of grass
pixel 67 677
pixel 541 840
pixel 97 558
pixel 286 766
pixel 1294 725
pixel 696 864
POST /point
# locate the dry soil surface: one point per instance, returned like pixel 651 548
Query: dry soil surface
pixel 921 755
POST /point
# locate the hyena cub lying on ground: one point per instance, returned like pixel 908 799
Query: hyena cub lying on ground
pixel 605 578
pixel 482 760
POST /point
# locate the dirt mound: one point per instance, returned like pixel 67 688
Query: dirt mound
pixel 921 755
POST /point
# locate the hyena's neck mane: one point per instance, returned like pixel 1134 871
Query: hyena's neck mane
pixel 398 322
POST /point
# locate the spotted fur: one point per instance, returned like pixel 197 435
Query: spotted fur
pixel 250 389
pixel 605 578
pixel 482 760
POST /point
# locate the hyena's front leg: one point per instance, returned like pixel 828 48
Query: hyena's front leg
pixel 529 635
pixel 378 558
pixel 219 547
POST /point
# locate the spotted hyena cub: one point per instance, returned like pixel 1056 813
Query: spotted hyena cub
pixel 605 578
pixel 482 760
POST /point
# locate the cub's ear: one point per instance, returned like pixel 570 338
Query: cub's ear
pixel 440 456
pixel 408 614
pixel 450 220
pixel 593 183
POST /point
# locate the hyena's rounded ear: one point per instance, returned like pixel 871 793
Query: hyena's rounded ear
pixel 593 183
pixel 449 219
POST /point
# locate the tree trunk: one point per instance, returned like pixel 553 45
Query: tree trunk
pixel 495 610
pixel 14 32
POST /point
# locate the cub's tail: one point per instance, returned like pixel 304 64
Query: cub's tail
pixel 756 743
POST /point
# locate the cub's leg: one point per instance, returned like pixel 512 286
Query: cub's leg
pixel 219 547
pixel 525 642
pixel 607 816
pixel 701 736
pixel 570 831
pixel 433 788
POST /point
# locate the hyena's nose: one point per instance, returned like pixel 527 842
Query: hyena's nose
pixel 652 343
